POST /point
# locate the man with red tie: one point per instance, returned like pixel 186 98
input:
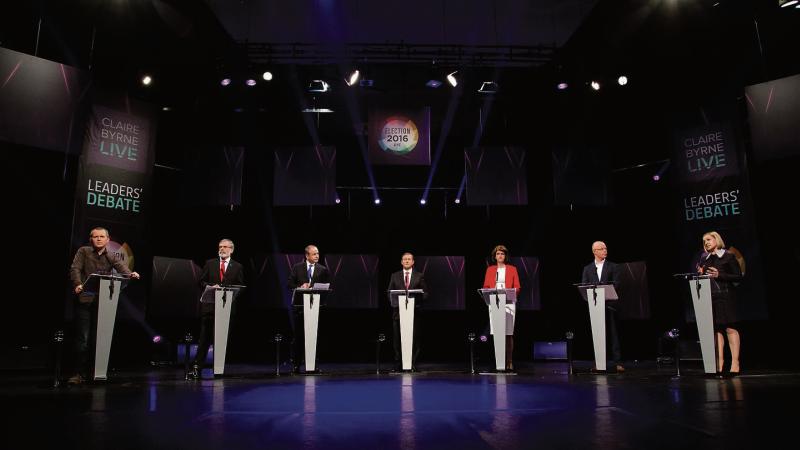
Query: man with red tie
pixel 407 279
pixel 220 271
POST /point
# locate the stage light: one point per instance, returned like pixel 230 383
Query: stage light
pixel 318 86
pixel 471 337
pixel 484 338
pixel 622 80
pixel 562 86
pixel 433 84
pixel 338 200
pixel 451 78
pixel 146 80
pixel 656 177
pixel 673 333
pixel 352 78
pixel 225 81
pixel 377 201
pixel 267 76
pixel 422 201
pixel 166 108
pixel 156 339
pixel 316 110
pixel 595 85
pixel 488 87
pixel 787 3
pixel 381 338
pixel 458 201
pixel 250 82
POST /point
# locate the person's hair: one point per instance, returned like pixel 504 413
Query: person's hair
pixel 98 229
pixel 308 248
pixel 227 240
pixel 407 253
pixel 499 248
pixel 715 235
pixel 739 258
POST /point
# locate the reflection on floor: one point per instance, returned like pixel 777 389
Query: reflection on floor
pixel 348 408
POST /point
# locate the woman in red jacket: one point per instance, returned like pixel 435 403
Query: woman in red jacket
pixel 504 276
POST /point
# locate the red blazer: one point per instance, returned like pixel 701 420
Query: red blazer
pixel 512 277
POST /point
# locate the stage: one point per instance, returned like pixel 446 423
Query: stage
pixel 441 406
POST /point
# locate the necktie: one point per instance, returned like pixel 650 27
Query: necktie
pixel 407 280
pixel 221 269
pixel 310 272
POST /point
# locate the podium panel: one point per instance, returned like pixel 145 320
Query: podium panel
pixel 108 299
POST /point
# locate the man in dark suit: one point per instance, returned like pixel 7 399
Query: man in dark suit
pixel 220 271
pixel 304 275
pixel 407 279
pixel 603 271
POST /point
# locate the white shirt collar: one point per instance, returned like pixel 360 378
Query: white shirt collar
pixel 719 252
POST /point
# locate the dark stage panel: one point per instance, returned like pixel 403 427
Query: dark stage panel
pixel 305 176
pixel 444 276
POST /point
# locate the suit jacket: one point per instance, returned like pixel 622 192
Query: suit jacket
pixel 234 274
pixel 398 282
pixel 512 277
pixel 299 275
pixel 608 275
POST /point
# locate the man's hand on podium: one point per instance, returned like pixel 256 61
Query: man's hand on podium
pixel 135 275
pixel 79 289
pixel 305 286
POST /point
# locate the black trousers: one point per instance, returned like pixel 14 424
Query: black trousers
pixel 85 336
pixel 612 335
pixel 206 336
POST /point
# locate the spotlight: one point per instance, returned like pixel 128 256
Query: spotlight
pixel 570 335
pixel 458 201
pixel 250 82
pixel 353 78
pixel 786 4
pixel 225 81
pixel 562 86
pixel 381 337
pixel 338 200
pixel 451 78
pixel 656 177
pixel 377 201
pixel 316 110
pixel 156 339
pixel 471 337
pixel 146 80
pixel 484 338
pixel 673 333
pixel 595 85
pixel 433 84
pixel 267 76
pixel 622 80
pixel 488 87
pixel 422 201
pixel 318 86
pixel 166 108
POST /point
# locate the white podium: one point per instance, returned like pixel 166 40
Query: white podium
pixel 700 290
pixel 404 301
pixel 596 296
pixel 222 297
pixel 309 299
pixel 496 300
pixel 108 288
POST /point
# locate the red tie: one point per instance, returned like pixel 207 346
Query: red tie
pixel 406 280
pixel 221 269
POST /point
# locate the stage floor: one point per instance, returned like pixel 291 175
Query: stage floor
pixel 347 407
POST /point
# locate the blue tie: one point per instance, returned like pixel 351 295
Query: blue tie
pixel 310 272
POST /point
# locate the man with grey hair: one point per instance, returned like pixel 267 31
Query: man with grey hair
pixel 603 271
pixel 219 271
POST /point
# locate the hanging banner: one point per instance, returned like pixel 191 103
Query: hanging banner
pixel 114 178
pixel 714 195
pixel 400 136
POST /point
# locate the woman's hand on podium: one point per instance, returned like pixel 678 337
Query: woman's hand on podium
pixel 79 289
